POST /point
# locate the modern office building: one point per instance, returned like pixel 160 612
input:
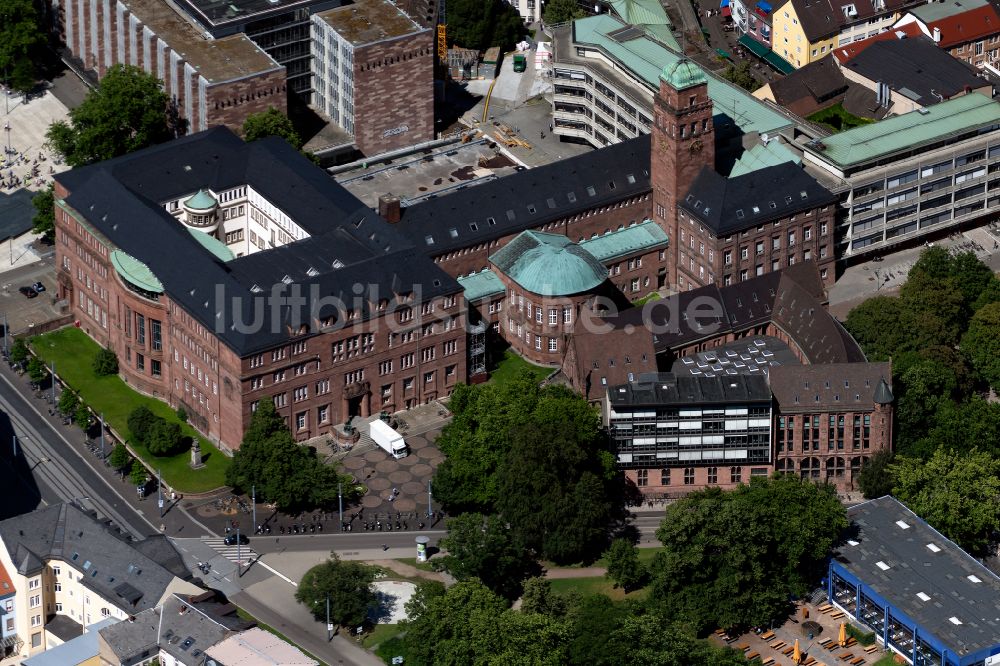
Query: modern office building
pixel 912 175
pixel 213 81
pixel 373 74
pixel 925 598
pixel 70 571
pixel 607 74
pixel 291 289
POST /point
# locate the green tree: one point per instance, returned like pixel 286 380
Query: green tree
pixel 22 36
pixel 922 388
pixel 426 591
pixel 557 487
pixel 120 459
pixel 560 11
pixel 471 625
pixel 624 567
pixel 126 112
pixel 37 371
pixel 165 438
pixel 877 325
pixel 958 493
pixel 270 123
pixel 182 414
pixel 961 426
pixel 483 547
pixel 741 75
pixel 735 558
pixel 348 586
pixel 105 363
pixel 141 422
pixel 936 309
pixel 538 597
pixel 44 220
pixel 283 472
pixel 68 402
pixel 480 24
pixel 137 474
pixel 981 343
pixel 19 351
pixel 82 417
pixel 875 478
pixel 653 639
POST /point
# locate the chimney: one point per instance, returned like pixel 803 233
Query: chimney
pixel 937 35
pixel 131 618
pixel 388 207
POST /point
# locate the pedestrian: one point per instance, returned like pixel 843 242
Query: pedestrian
pixel 384 548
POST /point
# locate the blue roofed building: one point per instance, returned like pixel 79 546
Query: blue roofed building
pixel 924 597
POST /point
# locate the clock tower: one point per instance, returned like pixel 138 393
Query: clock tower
pixel 683 142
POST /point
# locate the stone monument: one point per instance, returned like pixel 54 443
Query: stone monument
pixel 196 462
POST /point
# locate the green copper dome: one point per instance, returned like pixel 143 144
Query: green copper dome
pixel 134 271
pixel 549 265
pixel 201 201
pixel 683 74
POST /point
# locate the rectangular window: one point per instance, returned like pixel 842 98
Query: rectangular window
pixel 713 475
pixel 154 367
pixel 642 478
pixel 140 362
pixel 553 316
pixel 553 344
pixel 689 476
pixel 154 331
pixel 140 329
pixel 735 474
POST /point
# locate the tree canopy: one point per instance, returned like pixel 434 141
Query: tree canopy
pixel 126 112
pixel 484 547
pixel 981 343
pixel 624 567
pixel 283 472
pixel 560 11
pixel 270 123
pixel 44 220
pixel 875 478
pixel 348 585
pixel 958 493
pixel 735 558
pixel 480 24
pixel 22 37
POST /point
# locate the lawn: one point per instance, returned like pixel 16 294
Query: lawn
pixel 412 561
pixel 72 350
pixel 595 585
pixel 380 634
pixel 513 364
pixel 646 556
pixel 838 118
pixel 651 296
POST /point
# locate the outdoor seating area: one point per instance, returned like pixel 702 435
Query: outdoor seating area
pixel 819 638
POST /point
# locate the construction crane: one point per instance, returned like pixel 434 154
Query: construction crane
pixel 442 35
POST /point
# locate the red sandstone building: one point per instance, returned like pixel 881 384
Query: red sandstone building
pixel 212 81
pixel 373 74
pixel 216 290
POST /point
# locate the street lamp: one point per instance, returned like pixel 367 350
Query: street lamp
pixel 329 625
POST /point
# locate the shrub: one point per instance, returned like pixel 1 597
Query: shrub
pixel 19 351
pixel 865 638
pixel 105 363
pixel 82 417
pixel 140 423
pixel 165 439
pixel 182 414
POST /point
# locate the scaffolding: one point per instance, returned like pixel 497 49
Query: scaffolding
pixel 477 349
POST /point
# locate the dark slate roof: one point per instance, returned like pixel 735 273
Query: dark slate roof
pixel 604 358
pixel 161 550
pixel 817 81
pixel 919 560
pixel 670 389
pixel 16 211
pixel 556 190
pixel 727 205
pixel 185 630
pixel 822 18
pixel 108 565
pixel 348 243
pixel 916 68
pixel 832 387
pixel 883 393
pixel 64 627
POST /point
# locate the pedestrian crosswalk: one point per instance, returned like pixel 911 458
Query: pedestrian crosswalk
pixel 242 554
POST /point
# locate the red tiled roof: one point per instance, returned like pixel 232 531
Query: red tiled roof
pixel 6 584
pixel 848 51
pixel 967 26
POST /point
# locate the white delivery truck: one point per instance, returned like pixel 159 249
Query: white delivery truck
pixel 388 439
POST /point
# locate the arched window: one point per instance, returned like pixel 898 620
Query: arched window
pixel 809 468
pixel 835 467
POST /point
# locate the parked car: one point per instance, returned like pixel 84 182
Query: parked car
pixel 28 292
pixel 231 540
pixel 39 287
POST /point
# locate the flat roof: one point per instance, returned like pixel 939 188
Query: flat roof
pixel 256 647
pixel 939 9
pixel 908 131
pixel 221 12
pixel 665 388
pixel 646 58
pixel 368 21
pixel 481 285
pixel 217 60
pixel 901 557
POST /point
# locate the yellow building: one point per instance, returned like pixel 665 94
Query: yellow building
pixel 805 31
pixel 70 571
